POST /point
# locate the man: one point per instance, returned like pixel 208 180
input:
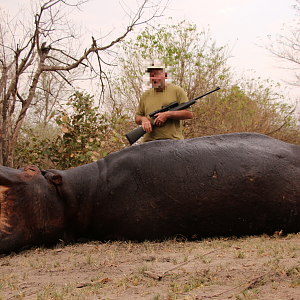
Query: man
pixel 168 124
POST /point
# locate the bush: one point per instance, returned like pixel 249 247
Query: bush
pixel 234 110
pixel 86 136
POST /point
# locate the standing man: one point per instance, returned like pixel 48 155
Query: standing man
pixel 168 124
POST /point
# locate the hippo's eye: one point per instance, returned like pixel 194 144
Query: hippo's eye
pixel 31 168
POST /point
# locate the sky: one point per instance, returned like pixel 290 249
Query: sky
pixel 242 24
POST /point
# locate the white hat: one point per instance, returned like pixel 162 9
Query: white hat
pixel 155 64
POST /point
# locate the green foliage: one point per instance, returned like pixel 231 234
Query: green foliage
pixel 34 145
pixel 86 135
pixel 82 132
pixel 32 150
pixel 194 61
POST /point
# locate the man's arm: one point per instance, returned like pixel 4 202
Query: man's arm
pixel 161 118
pixel 145 122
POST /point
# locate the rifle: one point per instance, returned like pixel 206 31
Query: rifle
pixel 137 133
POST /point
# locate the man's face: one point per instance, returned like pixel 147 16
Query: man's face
pixel 157 79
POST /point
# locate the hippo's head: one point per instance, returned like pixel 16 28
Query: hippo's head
pixel 30 210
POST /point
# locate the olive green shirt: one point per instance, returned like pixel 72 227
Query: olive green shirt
pixel 152 100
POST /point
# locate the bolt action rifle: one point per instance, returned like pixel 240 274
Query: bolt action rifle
pixel 137 133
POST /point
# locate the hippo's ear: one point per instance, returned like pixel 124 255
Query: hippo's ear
pixel 54 178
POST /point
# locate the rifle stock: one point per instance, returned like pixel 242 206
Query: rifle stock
pixel 137 133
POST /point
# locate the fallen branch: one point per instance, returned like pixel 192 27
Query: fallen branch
pixel 160 276
pixel 103 280
pixel 250 284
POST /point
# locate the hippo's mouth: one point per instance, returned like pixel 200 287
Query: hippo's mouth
pixel 4 226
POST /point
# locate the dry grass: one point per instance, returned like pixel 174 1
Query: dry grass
pixel 260 267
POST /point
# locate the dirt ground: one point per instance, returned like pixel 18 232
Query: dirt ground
pixel 261 267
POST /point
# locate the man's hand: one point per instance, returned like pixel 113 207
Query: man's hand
pixel 161 118
pixel 145 122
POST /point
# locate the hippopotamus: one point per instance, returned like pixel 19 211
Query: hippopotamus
pixel 224 185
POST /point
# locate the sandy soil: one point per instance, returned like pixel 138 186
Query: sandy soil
pixel 246 268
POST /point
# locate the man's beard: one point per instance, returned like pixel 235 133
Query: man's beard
pixel 158 85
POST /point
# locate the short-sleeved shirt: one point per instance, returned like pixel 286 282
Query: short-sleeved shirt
pixel 152 100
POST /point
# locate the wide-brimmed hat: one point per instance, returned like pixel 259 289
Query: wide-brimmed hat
pixel 155 65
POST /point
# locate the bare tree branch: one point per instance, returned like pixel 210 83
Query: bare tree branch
pixel 50 46
pixel 286 47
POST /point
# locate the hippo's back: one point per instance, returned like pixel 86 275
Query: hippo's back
pixel 239 184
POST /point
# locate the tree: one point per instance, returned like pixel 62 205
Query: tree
pixel 193 60
pixel 286 46
pixel 49 94
pixel 48 45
